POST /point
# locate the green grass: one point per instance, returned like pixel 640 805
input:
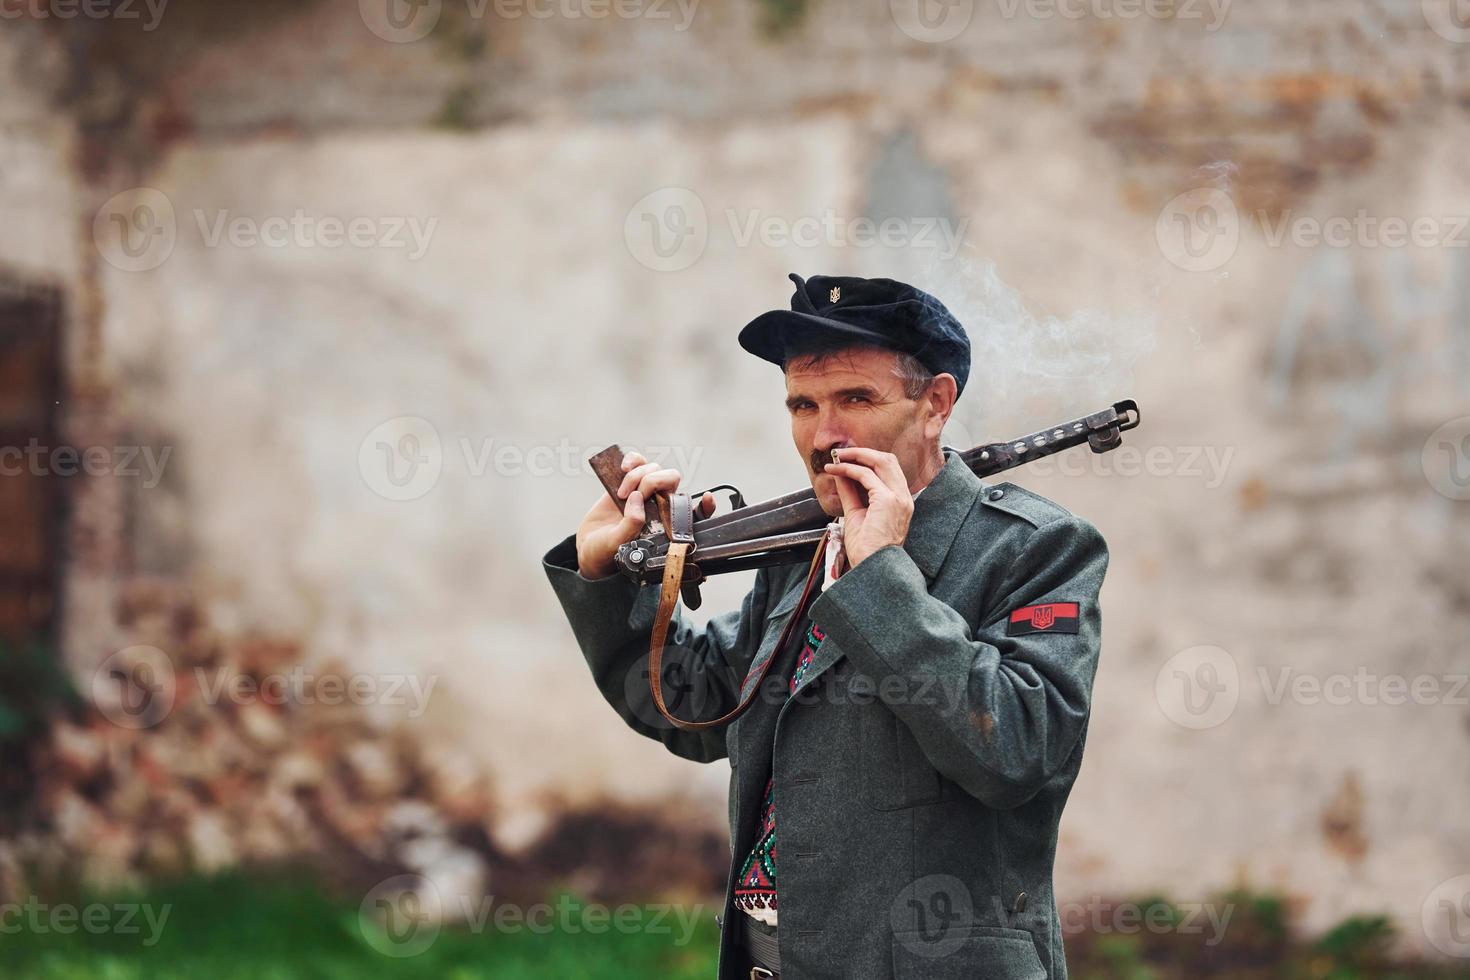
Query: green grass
pixel 242 928
pixel 237 929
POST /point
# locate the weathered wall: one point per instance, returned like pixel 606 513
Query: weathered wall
pixel 1285 516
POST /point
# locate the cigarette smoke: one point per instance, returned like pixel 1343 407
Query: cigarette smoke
pixel 1029 371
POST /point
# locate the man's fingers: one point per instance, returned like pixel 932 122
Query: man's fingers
pixel 707 504
pixel 659 481
pixel 632 459
pixel 884 464
pixel 859 474
pixel 649 479
pixel 635 477
pixel 862 454
pixel 634 517
pixel 848 494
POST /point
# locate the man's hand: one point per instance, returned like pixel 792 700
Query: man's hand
pixel 608 525
pixel 884 520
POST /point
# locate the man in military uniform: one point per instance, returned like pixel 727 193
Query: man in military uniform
pixel 927 720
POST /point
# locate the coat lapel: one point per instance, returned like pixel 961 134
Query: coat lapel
pixel 938 513
pixel 775 623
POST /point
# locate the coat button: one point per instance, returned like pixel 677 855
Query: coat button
pixel 997 494
pixel 1020 905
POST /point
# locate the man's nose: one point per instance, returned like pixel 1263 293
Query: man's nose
pixel 831 434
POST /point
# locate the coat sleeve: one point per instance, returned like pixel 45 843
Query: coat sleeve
pixel 612 620
pixel 998 714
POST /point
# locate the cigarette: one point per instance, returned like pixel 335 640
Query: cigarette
pixel 834 457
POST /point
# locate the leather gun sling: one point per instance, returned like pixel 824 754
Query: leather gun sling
pixel 668 597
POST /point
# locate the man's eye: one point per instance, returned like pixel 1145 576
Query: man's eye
pixel 857 398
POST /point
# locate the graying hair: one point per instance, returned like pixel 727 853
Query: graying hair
pixel 916 378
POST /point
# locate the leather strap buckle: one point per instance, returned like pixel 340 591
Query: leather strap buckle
pixel 680 525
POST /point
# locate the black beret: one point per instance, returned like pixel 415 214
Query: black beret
pixel 881 312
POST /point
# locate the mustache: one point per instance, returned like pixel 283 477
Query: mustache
pixel 820 458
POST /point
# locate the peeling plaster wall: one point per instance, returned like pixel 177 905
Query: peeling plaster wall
pixel 37 186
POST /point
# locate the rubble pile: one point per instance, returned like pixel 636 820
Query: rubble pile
pixel 182 758
pixel 167 768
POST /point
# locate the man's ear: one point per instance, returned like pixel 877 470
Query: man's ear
pixel 940 399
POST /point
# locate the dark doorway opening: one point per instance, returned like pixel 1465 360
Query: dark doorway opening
pixel 33 682
pixel 30 492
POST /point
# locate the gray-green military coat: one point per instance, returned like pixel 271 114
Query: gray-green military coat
pixel 922 765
